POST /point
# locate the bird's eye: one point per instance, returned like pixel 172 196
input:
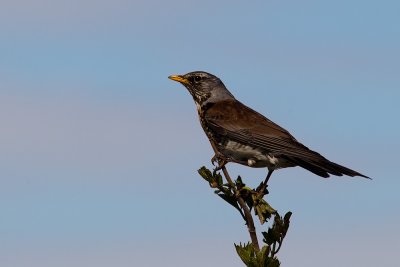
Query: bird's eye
pixel 197 78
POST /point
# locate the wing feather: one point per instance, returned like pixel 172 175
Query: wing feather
pixel 240 123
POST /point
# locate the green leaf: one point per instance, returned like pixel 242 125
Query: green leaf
pixel 218 177
pixel 277 232
pixel 267 207
pixel 262 256
pixel 230 199
pixel 286 219
pixel 214 179
pixel 286 222
pixel 246 193
pixel 249 202
pixel 273 237
pixel 272 262
pixel 206 174
pixel 239 183
pixel 262 209
pixel 246 253
pixel 270 236
pixel 251 258
pixel 278 224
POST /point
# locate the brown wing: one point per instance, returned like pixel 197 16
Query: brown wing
pixel 240 123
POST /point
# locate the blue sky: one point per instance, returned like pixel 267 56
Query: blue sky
pixel 99 150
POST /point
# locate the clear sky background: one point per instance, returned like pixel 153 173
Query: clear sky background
pixel 99 150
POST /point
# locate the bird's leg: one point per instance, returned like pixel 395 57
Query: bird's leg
pixel 220 159
pixel 261 189
pixel 214 159
pixel 268 176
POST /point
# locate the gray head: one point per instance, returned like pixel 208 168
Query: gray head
pixel 203 86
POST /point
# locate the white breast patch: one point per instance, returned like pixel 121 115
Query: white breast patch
pixel 250 156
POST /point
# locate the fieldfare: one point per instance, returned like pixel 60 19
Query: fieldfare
pixel 241 135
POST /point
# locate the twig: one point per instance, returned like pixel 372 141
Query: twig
pixel 279 247
pixel 249 219
pixel 273 252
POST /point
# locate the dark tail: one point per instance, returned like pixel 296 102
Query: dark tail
pixel 319 165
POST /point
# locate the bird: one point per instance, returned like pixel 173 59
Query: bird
pixel 241 135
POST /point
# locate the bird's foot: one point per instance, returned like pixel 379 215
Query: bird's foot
pixel 220 160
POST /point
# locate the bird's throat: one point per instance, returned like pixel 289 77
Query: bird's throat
pixel 200 99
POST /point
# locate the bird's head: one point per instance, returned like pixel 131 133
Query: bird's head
pixel 203 86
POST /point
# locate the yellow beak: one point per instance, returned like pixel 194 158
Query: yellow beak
pixel 178 78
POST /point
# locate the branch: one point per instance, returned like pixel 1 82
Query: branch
pixel 244 199
pixel 249 219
